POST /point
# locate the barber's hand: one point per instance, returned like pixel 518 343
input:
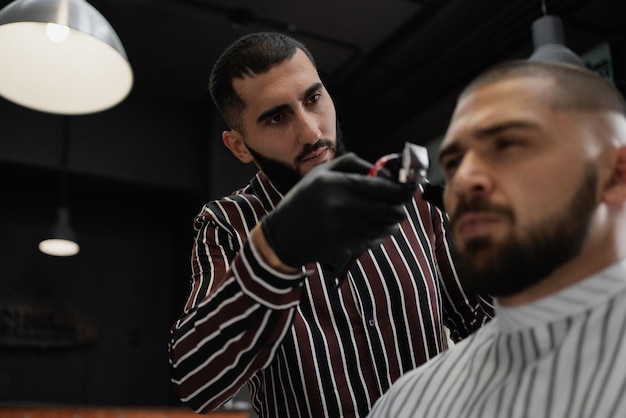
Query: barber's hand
pixel 334 213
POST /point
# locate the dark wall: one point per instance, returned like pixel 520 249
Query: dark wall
pixel 127 279
pixel 136 176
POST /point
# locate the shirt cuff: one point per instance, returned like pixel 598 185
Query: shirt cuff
pixel 265 284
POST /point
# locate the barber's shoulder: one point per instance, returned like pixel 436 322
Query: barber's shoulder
pixel 234 206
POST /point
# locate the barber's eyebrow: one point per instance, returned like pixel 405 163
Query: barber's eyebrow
pixel 281 108
pixel 273 111
pixel 487 132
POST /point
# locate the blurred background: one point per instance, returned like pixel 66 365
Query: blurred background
pixel 92 329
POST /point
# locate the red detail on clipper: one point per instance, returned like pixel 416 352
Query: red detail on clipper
pixel 380 163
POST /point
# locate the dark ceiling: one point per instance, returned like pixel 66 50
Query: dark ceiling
pixel 393 66
pixel 386 62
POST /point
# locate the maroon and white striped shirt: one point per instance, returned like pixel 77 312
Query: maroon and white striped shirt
pixel 305 347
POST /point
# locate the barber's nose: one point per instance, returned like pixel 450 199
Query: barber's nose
pixel 309 131
pixel 472 177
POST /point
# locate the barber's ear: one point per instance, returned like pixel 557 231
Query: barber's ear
pixel 234 142
pixel 615 193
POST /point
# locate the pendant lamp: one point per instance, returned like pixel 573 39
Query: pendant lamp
pixel 549 42
pixel 61 239
pixel 62 57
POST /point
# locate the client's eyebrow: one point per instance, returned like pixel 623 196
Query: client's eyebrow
pixel 504 126
pixel 451 149
pixel 490 131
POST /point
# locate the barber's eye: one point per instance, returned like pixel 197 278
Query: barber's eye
pixel 276 119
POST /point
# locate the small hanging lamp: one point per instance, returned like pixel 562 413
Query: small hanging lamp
pixel 549 42
pixel 61 239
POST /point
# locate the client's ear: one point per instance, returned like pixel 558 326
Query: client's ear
pixel 615 192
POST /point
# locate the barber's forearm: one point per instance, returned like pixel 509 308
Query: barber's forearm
pixel 267 253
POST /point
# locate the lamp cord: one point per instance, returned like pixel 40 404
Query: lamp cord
pixel 64 158
pixel 544 9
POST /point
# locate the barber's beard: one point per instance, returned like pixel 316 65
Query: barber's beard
pixel 284 176
pixel 503 269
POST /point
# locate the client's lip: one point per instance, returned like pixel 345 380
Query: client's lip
pixel 472 224
pixel 317 156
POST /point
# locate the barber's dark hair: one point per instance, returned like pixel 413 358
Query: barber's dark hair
pixel 577 88
pixel 255 53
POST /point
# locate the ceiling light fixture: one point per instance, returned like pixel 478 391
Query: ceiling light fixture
pixel 549 41
pixel 60 240
pixel 62 57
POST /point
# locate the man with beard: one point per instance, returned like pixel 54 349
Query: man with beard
pixel 535 163
pixel 275 304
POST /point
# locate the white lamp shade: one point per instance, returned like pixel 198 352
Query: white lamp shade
pixel 60 240
pixel 86 72
pixel 59 247
pixel 549 42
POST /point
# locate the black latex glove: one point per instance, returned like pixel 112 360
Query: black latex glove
pixel 335 213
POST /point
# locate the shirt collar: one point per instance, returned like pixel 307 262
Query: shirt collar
pixel 266 190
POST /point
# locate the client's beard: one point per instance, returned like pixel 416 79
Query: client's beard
pixel 502 269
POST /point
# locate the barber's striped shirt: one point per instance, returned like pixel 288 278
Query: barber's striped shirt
pixel 563 356
pixel 305 347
